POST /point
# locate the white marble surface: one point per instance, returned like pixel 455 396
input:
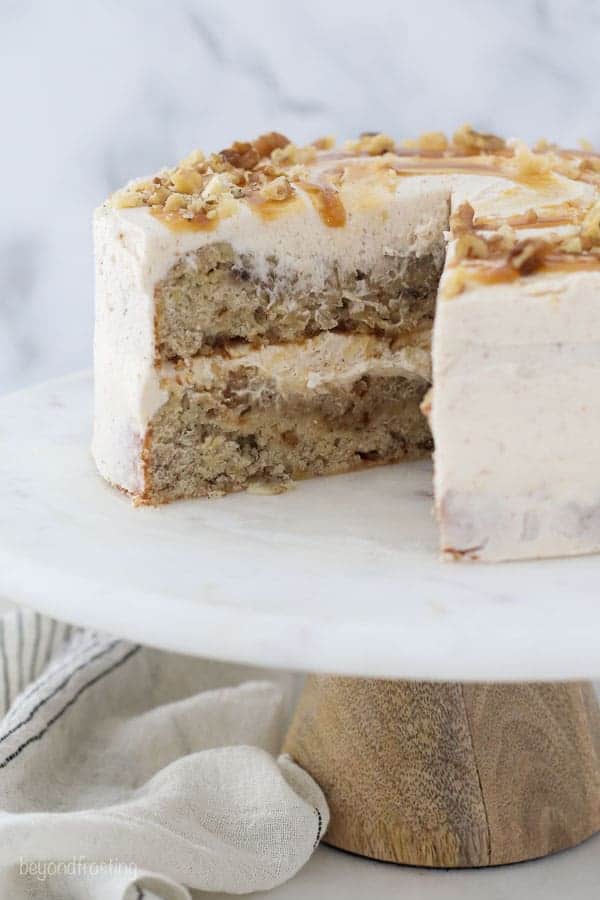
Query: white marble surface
pixel 95 93
pixel 333 875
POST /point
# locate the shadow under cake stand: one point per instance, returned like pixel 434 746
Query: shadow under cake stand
pixel 446 727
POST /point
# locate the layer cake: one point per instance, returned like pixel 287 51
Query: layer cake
pixel 274 312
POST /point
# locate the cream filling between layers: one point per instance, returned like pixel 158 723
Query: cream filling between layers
pixel 311 365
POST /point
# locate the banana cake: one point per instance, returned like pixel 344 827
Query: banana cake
pixel 273 312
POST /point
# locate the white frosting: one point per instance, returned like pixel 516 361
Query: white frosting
pixel 516 417
pixel 126 387
pixel 409 220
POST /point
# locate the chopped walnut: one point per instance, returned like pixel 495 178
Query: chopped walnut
pixel 470 246
pixel 241 155
pixel 503 240
pixel 247 154
pixel 433 140
pixel 228 206
pixel 590 164
pixel 216 162
pixel 291 155
pixel 126 199
pixel 298 173
pixel 134 194
pixel 158 196
pixel 429 141
pixel 543 146
pixel 193 160
pixel 590 228
pixel 378 144
pixel 204 189
pixel 571 244
pixel 473 142
pixel 461 220
pixel 529 217
pixel 175 202
pixel 527 256
pixel 186 181
pixel 196 205
pixel 214 188
pixel 266 143
pixel 324 143
pixel 372 144
pixel 278 189
pixel 528 164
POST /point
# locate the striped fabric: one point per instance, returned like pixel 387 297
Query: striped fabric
pixel 28 643
pixel 127 772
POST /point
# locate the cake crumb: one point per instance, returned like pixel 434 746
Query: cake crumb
pixel 268 488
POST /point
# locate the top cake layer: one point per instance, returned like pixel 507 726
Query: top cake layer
pixel 290 241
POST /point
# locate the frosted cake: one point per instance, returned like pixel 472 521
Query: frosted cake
pixel 273 312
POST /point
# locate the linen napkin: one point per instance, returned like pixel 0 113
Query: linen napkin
pixel 130 773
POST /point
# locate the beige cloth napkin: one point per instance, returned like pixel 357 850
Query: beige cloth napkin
pixel 126 772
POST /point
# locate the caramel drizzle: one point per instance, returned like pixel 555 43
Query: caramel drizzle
pixel 198 222
pixel 495 224
pixel 412 153
pixel 327 202
pixel 324 197
pixel 488 166
pixel 446 166
pixel 528 220
pixel 404 162
pixel 270 209
pixel 501 272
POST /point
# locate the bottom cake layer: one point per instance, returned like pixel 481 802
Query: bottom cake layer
pixel 329 405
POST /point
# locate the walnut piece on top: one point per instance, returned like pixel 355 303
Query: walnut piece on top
pixel 473 142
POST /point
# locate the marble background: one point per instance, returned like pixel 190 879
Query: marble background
pixel 98 91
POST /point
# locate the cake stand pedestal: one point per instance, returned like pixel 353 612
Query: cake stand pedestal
pixel 425 757
pixel 449 775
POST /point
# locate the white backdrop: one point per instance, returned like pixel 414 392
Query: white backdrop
pixel 95 92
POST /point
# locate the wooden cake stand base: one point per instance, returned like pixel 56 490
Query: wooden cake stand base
pixel 448 775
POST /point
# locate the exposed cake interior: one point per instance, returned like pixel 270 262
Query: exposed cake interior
pixel 298 347
pixel 215 295
pixel 272 375
pixel 327 404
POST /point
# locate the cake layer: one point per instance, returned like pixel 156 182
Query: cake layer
pixel 136 250
pixel 327 405
pixel 213 295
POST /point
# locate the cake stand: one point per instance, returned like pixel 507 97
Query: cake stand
pixel 444 725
